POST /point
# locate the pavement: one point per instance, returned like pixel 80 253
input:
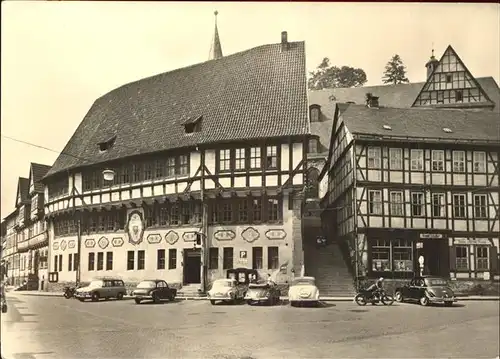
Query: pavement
pixel 42 327
pixel 284 298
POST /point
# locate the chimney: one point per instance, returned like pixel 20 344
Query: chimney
pixel 284 41
pixel 371 101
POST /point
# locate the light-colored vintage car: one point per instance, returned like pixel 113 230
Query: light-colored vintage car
pixel 226 290
pixel 303 290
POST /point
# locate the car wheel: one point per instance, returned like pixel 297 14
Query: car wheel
pixel 212 302
pixel 424 301
pixel 293 303
pixel 448 304
pixel 95 297
pixel 399 297
pixel 249 302
pixel 137 301
pixel 156 298
pixel 119 296
pixel 81 299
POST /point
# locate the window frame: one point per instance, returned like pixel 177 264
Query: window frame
pixel 441 205
pixel 483 208
pixel 439 161
pixel 475 161
pixel 459 261
pixel 393 158
pixel 417 160
pixel 374 204
pixel 374 155
pixel 459 166
pixel 422 204
pixel 396 205
pixel 459 206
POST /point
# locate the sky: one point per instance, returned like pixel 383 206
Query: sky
pixel 57 58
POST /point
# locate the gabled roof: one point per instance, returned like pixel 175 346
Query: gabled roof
pixel 468 82
pixel 23 185
pixel 428 124
pixel 393 96
pixel 37 172
pixel 258 93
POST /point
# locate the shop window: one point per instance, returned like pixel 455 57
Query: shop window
pixel 461 258
pixel 172 258
pixel 109 260
pixel 272 258
pixel 374 157
pixel 459 207
pixel 417 160
pixel 141 259
pixel 402 255
pixel 130 260
pixel 374 202
pixel 213 258
pixel 381 254
pixel 227 258
pixel 482 258
pixel 257 255
pixel 91 264
pixel 396 158
pixel 160 259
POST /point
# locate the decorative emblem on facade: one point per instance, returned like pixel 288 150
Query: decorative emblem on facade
pixel 71 244
pixel 284 267
pixel 224 235
pixel 154 238
pixel 55 246
pixel 63 244
pixel 117 242
pixel 89 243
pixel 189 236
pixel 135 227
pixel 103 242
pixel 171 237
pixel 250 234
pixel 276 234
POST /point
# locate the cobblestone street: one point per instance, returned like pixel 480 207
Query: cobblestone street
pixel 44 327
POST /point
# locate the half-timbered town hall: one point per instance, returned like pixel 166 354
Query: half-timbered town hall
pixel 413 175
pixel 207 170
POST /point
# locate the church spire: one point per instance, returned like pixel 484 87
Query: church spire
pixel 432 63
pixel 216 48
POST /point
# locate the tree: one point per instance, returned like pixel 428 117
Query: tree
pixel 326 76
pixel 395 71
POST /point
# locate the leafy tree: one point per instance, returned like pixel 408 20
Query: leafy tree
pixel 327 76
pixel 395 71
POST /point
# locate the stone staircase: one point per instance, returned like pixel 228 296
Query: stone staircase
pixel 327 265
pixel 190 290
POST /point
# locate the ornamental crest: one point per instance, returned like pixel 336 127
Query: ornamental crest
pixel 276 234
pixel 154 238
pixel 135 227
pixel 63 244
pixel 117 242
pixel 224 235
pixel 103 242
pixel 71 244
pixel 250 234
pixel 171 237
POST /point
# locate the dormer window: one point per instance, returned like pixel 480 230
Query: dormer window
pixel 313 145
pixel 193 124
pixel 106 145
pixel 314 112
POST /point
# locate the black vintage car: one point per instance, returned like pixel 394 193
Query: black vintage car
pixel 426 290
pixel 153 289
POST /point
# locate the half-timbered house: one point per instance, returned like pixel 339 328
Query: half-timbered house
pixel 208 163
pixel 10 259
pixel 416 189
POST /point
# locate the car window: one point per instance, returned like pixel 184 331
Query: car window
pixel 160 285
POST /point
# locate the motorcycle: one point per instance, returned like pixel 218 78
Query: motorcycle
pixel 69 292
pixel 365 296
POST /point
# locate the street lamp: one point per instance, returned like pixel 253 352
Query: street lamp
pixel 108 175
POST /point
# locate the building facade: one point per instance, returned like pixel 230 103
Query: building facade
pixel 209 170
pixel 416 190
pixel 26 242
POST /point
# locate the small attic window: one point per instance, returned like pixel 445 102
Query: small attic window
pixel 193 124
pixel 447 130
pixel 387 127
pixel 314 113
pixel 106 145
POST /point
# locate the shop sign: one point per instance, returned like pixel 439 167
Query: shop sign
pixel 431 235
pixel 466 241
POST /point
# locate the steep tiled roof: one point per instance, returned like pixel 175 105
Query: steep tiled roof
pixel 394 96
pixel 23 186
pixel 38 171
pixel 483 126
pixel 258 93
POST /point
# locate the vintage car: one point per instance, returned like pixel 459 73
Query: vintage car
pixel 425 290
pixel 303 290
pixel 262 293
pixel 153 289
pixel 227 291
pixel 102 287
